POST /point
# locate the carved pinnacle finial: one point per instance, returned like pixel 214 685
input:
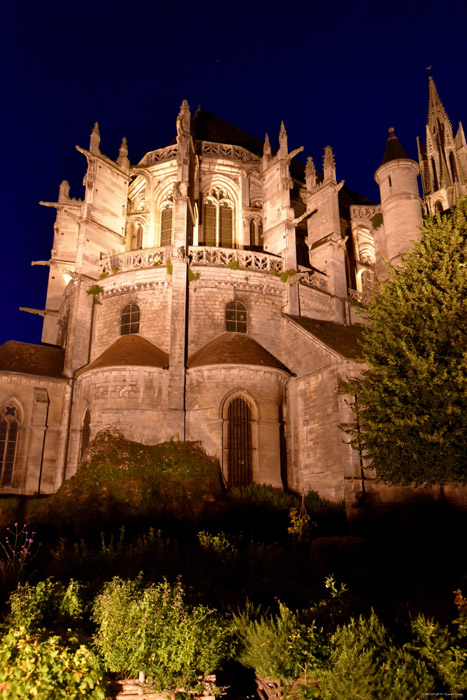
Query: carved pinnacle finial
pixel 267 146
pixel 183 119
pixel 310 174
pixel 95 139
pixel 329 165
pixel 283 145
pixel 122 159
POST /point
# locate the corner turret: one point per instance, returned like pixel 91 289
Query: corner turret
pixel 400 199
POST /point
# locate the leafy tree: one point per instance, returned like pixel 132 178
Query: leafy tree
pixel 411 405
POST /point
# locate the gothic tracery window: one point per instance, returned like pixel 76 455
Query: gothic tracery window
pixel 235 317
pixel 137 236
pixel 166 220
pixel 130 320
pixel 218 219
pixel 256 233
pixel 368 281
pixel 9 430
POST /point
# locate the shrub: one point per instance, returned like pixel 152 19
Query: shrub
pixel 41 666
pixel 277 647
pixel 16 552
pixel 154 631
pixel 49 604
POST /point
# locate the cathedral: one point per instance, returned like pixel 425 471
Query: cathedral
pixel 213 292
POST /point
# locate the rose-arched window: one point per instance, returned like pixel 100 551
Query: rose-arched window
pixel 9 433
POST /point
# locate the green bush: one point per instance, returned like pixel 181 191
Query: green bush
pixel 277 646
pixel 153 630
pixel 41 666
pixel 49 604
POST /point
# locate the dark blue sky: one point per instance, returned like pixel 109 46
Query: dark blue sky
pixel 337 73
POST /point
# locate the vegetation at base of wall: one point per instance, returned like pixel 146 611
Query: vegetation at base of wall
pixel 169 266
pixel 121 480
pixel 411 407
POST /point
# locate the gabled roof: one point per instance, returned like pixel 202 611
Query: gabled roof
pixel 27 358
pixel 129 350
pixel 234 349
pixel 207 127
pixel 394 149
pixel 345 340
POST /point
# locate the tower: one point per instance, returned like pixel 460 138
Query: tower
pixel 400 199
pixel 443 158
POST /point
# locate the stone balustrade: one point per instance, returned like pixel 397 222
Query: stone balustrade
pixel 246 259
pixel 199 255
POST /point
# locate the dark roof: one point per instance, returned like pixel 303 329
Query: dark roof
pixel 26 358
pixel 207 127
pixel 394 149
pixel 130 350
pixel 346 340
pixel 234 349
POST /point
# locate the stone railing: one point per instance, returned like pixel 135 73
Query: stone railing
pixel 361 298
pixel 159 156
pixel 136 259
pixel 247 259
pixel 222 150
pixel 315 280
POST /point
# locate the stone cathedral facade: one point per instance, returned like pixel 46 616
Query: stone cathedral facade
pixel 209 293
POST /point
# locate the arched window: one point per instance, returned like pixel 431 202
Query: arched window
pixel 218 219
pixel 256 233
pixel 239 443
pixel 368 280
pixel 9 429
pixel 137 236
pixel 130 320
pixel 166 224
pixel 439 206
pixel 235 317
pixel 86 433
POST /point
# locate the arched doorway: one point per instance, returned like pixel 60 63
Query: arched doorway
pixel 239 443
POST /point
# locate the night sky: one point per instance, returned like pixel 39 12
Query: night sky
pixel 337 73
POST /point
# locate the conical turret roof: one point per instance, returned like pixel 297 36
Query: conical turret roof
pixel 394 149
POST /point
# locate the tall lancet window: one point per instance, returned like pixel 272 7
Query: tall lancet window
pixel 137 236
pixel 256 233
pixel 218 219
pixel 9 433
pixel 166 220
pixel 239 443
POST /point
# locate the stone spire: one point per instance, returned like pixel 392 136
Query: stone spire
pixel 310 174
pixel 329 165
pixel 95 139
pixel 267 146
pixel 394 149
pixel 283 142
pixel 436 111
pixel 122 159
pixel 183 119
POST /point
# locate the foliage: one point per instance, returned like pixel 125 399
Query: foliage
pixel 461 604
pixel 219 543
pixel 299 527
pixel 127 480
pixel 49 604
pixel 153 630
pixel 277 646
pixel 363 665
pixel 287 273
pixel 411 406
pixel 15 554
pixel 42 666
pixel 103 275
pixel 169 266
pixel 94 291
pixel 377 221
pixel 193 276
pixel 233 264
